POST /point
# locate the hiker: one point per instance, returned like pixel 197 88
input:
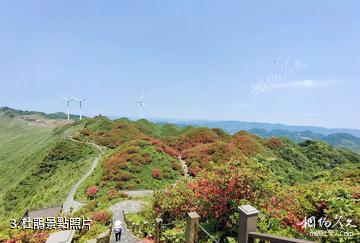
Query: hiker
pixel 117 230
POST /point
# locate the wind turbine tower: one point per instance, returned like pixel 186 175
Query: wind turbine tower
pixel 80 103
pixel 68 100
pixel 141 104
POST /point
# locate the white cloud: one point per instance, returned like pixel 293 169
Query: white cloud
pixel 261 86
pixel 307 83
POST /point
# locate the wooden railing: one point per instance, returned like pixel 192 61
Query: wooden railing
pixel 273 238
pixel 247 226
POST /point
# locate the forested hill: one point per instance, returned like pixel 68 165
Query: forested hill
pixel 37 165
pixel 57 115
pixel 344 140
pixel 299 179
pixel 347 138
pixel 235 126
pixel 203 147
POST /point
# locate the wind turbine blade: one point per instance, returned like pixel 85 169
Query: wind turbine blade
pixel 63 96
pixel 75 98
pixel 142 96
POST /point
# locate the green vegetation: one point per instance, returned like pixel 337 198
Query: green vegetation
pixel 37 164
pixel 300 180
pixel 58 115
pixel 342 140
pixel 134 165
pixel 286 181
pixel 52 178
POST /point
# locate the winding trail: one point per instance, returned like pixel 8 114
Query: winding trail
pixel 133 206
pixel 128 206
pixel 184 165
pixel 70 204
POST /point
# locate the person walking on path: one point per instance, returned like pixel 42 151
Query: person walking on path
pixel 117 230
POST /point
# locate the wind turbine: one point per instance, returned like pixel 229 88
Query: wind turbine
pixel 141 103
pixel 80 103
pixel 68 100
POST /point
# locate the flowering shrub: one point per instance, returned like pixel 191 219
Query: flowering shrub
pixel 161 147
pixel 29 236
pixel 217 193
pixel 274 142
pixel 91 191
pixel 112 194
pixel 103 217
pixel 156 173
pixel 248 144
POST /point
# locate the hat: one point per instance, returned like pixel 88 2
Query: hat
pixel 117 223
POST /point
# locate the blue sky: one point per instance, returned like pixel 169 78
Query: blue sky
pixel 292 62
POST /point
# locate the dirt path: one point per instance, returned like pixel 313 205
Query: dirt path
pixel 184 165
pixel 128 206
pixel 131 206
pixel 70 204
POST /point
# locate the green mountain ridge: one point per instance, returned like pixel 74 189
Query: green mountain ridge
pixel 235 126
pixel 144 155
pixel 337 139
pixel 57 115
pixel 24 152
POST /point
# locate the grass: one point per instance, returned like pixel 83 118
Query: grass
pixel 138 172
pixel 143 179
pixel 23 147
pixel 38 167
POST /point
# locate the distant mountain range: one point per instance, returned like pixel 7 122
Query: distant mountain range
pixel 235 126
pixel 340 137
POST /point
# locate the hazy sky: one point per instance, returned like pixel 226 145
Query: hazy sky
pixel 292 62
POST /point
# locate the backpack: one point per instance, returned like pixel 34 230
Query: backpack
pixel 117 229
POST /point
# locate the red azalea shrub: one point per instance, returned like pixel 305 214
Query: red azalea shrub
pixel 91 191
pixel 248 144
pixel 102 217
pixel 147 158
pixel 156 173
pixel 216 190
pixel 274 143
pixel 161 147
pixel 25 236
pixel 174 203
pixel 286 209
pixel 204 156
pixel 194 169
pixel 211 194
pixel 217 193
pixel 112 194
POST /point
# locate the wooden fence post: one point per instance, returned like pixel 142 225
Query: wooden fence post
pixel 247 223
pixel 158 222
pixel 192 228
